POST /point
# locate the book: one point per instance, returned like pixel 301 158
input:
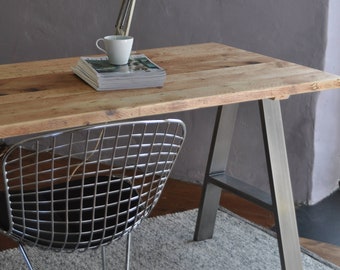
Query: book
pixel 140 72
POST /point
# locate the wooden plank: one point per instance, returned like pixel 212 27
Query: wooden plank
pixel 36 68
pixel 46 95
pixel 327 251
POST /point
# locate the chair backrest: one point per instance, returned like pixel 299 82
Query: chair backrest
pixel 83 188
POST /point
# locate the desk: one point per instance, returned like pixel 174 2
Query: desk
pixel 45 95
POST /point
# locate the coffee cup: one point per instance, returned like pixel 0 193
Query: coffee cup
pixel 117 48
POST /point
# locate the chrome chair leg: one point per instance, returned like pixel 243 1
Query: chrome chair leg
pixel 104 264
pixel 127 253
pixel 24 254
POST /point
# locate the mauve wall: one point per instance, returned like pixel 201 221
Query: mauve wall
pixel 43 29
pixel 326 169
pixel 293 30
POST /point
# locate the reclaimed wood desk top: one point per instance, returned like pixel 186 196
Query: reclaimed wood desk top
pixel 46 95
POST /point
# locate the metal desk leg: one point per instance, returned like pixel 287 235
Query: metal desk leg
pixel 281 189
pixel 218 156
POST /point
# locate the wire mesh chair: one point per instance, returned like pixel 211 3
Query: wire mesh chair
pixel 82 188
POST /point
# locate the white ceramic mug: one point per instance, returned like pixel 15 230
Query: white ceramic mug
pixel 117 48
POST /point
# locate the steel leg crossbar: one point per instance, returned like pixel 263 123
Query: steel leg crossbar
pixel 280 201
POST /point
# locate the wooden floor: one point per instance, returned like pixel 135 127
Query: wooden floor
pixel 180 196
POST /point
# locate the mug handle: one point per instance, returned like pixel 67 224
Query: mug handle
pixel 100 48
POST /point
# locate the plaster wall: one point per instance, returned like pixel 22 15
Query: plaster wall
pixel 293 30
pixel 326 169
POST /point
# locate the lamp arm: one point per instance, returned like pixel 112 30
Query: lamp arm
pixel 124 19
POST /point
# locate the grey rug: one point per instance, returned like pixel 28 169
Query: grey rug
pixel 166 243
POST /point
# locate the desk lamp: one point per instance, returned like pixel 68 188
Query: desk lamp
pixel 125 17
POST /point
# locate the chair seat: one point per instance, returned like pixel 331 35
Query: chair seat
pixel 76 222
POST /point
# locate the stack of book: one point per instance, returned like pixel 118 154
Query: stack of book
pixel 140 72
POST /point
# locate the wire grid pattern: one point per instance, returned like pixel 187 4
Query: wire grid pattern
pixel 83 188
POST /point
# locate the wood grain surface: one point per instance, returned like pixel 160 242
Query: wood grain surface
pixel 45 95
